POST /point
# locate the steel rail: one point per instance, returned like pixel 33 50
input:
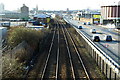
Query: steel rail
pixel 78 54
pixel 49 53
pixel 58 50
pixel 68 49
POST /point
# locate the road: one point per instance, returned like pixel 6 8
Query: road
pixel 111 48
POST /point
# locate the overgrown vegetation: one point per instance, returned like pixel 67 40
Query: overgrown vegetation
pixel 19 34
pixel 14 61
pixel 58 17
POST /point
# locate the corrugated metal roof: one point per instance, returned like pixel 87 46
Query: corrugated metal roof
pixel 41 16
pixel 95 13
pixel 6 11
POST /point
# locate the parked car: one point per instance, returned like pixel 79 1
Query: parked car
pixel 97 23
pixel 84 23
pixel 88 23
pixel 79 27
pixel 93 30
pixel 108 38
pixel 96 38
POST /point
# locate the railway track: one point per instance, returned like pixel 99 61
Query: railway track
pixel 40 58
pixel 53 67
pixel 68 50
pixel 65 65
pixel 76 58
pixel 63 60
pixel 60 58
pixel 51 64
pixel 64 69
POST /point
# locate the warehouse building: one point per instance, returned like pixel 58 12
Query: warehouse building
pixel 92 16
pixel 110 14
pixel 6 15
pixel 23 14
pixel 41 20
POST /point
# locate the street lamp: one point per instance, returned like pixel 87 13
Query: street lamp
pixel 117 15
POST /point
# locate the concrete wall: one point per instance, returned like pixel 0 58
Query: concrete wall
pixel 107 68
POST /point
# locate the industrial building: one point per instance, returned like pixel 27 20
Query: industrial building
pixel 41 20
pixel 6 15
pixel 23 14
pixel 110 14
pixel 92 16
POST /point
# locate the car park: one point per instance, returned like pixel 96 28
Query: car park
pixel 93 30
pixel 108 38
pixel 79 27
pixel 96 38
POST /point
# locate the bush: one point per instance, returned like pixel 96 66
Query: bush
pixel 11 68
pixel 19 34
pixel 15 61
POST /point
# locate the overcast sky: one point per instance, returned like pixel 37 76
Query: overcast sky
pixel 56 4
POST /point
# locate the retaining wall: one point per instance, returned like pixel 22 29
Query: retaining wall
pixel 106 67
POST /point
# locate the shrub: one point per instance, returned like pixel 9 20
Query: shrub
pixel 19 34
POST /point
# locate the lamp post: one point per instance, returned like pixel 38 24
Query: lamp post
pixel 117 16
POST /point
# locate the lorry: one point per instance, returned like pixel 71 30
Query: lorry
pixel 5 24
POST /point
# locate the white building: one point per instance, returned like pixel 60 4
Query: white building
pixel 110 13
pixel 1 7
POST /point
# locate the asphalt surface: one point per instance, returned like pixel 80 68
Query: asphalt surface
pixel 111 48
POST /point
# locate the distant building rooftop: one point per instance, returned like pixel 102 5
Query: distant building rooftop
pixel 1 14
pixel 117 3
pixel 6 11
pixel 95 13
pixel 41 16
pixel 111 6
